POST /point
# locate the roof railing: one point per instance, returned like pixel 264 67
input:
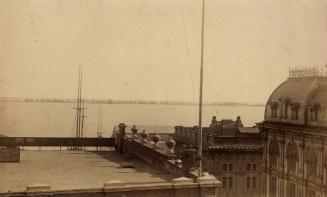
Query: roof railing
pixel 314 71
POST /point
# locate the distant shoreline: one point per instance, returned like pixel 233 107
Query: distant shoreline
pixel 112 101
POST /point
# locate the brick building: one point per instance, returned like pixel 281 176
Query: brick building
pixel 231 152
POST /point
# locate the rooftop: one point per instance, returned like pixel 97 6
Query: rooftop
pixel 74 170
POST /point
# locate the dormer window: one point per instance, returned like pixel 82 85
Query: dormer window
pixel 295 110
pixel 313 111
pixel 281 114
pixel 287 103
pixel 273 107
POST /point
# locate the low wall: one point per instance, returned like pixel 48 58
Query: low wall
pixel 181 187
pixel 10 154
pixel 159 158
pixel 173 168
pixel 155 157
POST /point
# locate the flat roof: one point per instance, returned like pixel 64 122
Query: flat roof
pixel 74 170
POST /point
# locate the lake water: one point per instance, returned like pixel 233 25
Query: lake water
pixel 27 119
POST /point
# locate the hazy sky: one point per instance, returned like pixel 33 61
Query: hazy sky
pixel 150 49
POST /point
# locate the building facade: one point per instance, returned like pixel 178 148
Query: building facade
pixel 295 137
pixel 231 152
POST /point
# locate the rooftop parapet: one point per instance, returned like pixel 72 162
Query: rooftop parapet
pixel 179 187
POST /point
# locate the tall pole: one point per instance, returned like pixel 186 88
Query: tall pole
pixel 200 99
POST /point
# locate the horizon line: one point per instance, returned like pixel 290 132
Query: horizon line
pixel 129 101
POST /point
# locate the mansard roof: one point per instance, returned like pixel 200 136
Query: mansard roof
pixel 300 100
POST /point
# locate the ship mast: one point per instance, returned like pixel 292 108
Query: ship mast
pixel 201 92
pixel 80 109
pixel 81 105
pixel 99 133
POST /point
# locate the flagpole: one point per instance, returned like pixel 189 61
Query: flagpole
pixel 201 91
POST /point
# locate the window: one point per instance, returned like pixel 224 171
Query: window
pixel 292 156
pixel 248 183
pixel 311 193
pixel 312 169
pixel 287 103
pixel 227 182
pixel 314 111
pixel 273 107
pixel 230 182
pixel 224 182
pixel 230 167
pixel 273 187
pixel 227 167
pixel 251 182
pixel 273 151
pixel 248 167
pixel 281 114
pixel 252 167
pixel 291 190
pixel 295 110
pixel 291 165
pixel 273 160
pixel 254 182
pixel 311 161
pixel 224 167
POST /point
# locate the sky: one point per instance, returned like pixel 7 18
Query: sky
pixel 150 49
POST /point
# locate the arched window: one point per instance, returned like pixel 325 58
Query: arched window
pixel 292 156
pixel 273 151
pixel 311 159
